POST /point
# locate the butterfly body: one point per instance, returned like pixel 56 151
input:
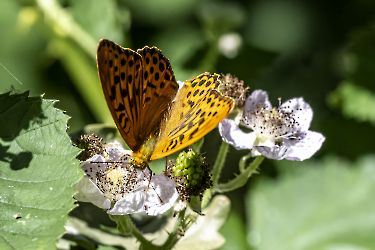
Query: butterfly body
pixel 154 117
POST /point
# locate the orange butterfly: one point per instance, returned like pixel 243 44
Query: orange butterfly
pixel 140 87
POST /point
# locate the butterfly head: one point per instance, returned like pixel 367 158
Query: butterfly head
pixel 141 157
pixel 138 163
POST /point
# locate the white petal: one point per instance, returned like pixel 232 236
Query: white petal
pixel 161 195
pixel 131 204
pixel 233 135
pixel 306 147
pixel 204 232
pixel 258 97
pixel 302 111
pixel 115 151
pixel 89 192
pixel 91 169
pixel 275 152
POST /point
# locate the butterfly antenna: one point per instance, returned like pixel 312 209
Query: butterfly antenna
pixel 10 73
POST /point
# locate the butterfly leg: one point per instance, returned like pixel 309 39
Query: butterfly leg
pixel 149 184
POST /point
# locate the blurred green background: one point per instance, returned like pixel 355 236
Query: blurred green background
pixel 323 51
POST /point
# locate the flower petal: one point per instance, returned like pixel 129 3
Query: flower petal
pixel 275 152
pixel 115 151
pixel 131 204
pixel 89 192
pixel 257 97
pixel 161 195
pixel 233 135
pixel 302 113
pixel 204 232
pixel 91 169
pixel 306 147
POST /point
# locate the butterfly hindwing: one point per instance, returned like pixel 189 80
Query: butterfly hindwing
pixel 136 97
pixel 198 109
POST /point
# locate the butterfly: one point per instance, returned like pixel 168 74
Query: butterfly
pixel 154 117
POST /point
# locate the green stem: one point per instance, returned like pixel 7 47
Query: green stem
pixel 127 227
pixel 173 236
pixel 219 163
pixel 242 178
pixel 63 24
pixel 144 242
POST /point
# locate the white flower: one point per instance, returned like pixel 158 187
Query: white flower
pixel 277 133
pixel 113 180
pixel 202 235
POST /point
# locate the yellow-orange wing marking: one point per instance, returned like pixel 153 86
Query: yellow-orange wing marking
pixel 138 87
pixel 198 108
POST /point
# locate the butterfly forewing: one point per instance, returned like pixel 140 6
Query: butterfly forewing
pixel 198 108
pixel 136 98
pixel 159 86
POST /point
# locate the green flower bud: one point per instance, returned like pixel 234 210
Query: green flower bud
pixel 192 175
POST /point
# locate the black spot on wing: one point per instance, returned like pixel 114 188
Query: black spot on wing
pixel 174 144
pixel 181 137
pixel 192 133
pixel 161 66
pixel 117 79
pixel 120 107
pixel 124 93
pixel 149 84
pixel 167 76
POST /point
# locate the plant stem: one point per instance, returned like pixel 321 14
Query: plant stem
pixel 173 236
pixel 219 163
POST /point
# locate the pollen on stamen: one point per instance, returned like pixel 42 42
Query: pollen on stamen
pixel 117 181
pixel 274 123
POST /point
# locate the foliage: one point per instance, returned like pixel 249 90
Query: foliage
pixel 38 169
pixel 322 51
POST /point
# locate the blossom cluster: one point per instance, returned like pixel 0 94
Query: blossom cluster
pixel 113 180
pixel 277 133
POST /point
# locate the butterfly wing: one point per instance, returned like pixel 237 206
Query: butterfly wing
pixel 198 109
pixel 138 87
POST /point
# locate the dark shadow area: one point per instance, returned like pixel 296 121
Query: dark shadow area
pixel 84 242
pixel 19 112
pixel 96 217
pixel 17 161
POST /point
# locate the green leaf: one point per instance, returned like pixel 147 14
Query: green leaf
pixel 37 171
pixel 356 102
pixel 323 205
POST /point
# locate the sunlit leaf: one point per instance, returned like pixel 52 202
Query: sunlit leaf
pixel 37 171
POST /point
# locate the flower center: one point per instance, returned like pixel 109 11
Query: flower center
pixel 117 182
pixel 273 124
